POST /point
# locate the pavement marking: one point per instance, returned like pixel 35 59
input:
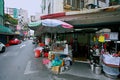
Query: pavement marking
pixel 28 69
pixel 13 54
pixel 16 53
pixel 5 54
pixel 22 45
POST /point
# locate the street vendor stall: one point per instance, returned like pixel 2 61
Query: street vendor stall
pixel 111 65
pixel 59 57
pixel 102 52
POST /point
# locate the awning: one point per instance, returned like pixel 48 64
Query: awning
pixel 5 30
pixel 50 26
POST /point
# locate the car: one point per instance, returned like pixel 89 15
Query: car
pixel 2 47
pixel 14 41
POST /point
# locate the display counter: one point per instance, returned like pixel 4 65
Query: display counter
pixel 61 49
pixel 111 65
pixel 63 52
pixel 59 58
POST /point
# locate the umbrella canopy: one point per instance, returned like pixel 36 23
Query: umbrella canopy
pixel 34 25
pixel 55 23
pixel 55 26
pixel 51 26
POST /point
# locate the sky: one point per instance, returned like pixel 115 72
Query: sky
pixel 32 6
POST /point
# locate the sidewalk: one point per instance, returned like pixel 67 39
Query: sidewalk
pixel 81 71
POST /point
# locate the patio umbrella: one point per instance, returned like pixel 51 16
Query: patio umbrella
pixel 34 25
pixel 55 23
pixel 55 26
pixel 50 26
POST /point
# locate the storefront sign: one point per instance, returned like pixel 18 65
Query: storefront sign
pixel 107 36
pixel 113 36
pixel 110 35
pixel 101 38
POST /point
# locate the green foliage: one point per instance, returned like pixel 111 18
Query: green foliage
pixel 11 20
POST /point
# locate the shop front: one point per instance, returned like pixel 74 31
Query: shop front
pixel 5 33
pixel 105 53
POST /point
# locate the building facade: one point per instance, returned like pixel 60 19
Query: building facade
pixel 20 14
pixel 4 31
pixel 1 12
pixel 22 18
pixel 87 16
pixel 51 6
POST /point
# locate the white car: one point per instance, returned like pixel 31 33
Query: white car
pixel 2 47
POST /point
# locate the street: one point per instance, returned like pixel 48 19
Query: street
pixel 19 63
pixel 60 40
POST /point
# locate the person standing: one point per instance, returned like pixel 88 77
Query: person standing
pixel 75 48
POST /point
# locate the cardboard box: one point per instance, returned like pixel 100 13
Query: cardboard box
pixel 55 69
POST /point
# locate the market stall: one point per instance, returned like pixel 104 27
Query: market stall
pixel 111 65
pixel 59 57
pixel 102 52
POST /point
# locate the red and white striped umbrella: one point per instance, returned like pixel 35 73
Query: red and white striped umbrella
pixel 55 23
pixel 55 26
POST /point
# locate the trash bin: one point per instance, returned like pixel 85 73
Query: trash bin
pixel 98 69
pixel 37 53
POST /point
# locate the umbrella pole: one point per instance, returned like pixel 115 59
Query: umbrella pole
pixel 55 36
pixel 64 36
pixel 115 46
pixel 51 39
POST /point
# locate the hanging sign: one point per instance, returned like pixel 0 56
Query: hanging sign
pixel 101 38
pixel 113 36
pixel 107 36
pixel 94 39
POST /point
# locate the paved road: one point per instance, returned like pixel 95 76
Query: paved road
pixel 19 63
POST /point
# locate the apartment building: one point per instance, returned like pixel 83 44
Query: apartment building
pixel 4 31
pixel 22 18
pixel 20 14
pixel 51 6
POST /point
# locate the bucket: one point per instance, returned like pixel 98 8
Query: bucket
pixel 62 69
pixel 98 69
pixel 37 53
pixel 92 67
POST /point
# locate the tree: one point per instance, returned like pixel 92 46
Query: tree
pixel 9 19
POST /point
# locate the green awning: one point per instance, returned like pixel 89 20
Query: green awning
pixel 5 30
pixel 34 25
